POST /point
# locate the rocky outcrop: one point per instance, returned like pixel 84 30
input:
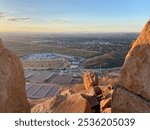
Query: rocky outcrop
pixel 106 99
pixel 76 100
pixel 48 105
pixel 126 101
pixel 136 69
pixel 75 104
pixel 91 96
pixel 76 88
pixel 12 83
pixel 69 101
pixel 135 77
pixel 90 80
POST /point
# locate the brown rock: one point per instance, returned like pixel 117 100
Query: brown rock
pixel 34 102
pixel 91 96
pixel 90 79
pixel 107 110
pixel 97 90
pixel 48 105
pixel 77 88
pixel 105 103
pixel 107 92
pixel 12 83
pixel 128 102
pixel 75 104
pixel 135 72
pixel 66 92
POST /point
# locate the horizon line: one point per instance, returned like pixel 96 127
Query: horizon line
pixel 70 32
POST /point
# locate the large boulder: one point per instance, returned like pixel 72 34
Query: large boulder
pixel 135 73
pixel 48 105
pixel 90 80
pixel 63 104
pixel 133 93
pixel 75 104
pixel 12 83
pixel 77 88
pixel 124 101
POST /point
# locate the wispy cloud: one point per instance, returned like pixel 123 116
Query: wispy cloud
pixel 5 16
pixel 60 20
pixel 13 19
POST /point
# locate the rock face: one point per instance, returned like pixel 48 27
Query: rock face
pixel 136 69
pixel 75 104
pixel 12 83
pixel 90 79
pixel 135 77
pixel 126 101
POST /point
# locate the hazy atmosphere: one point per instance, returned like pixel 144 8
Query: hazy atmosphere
pixel 75 56
pixel 73 15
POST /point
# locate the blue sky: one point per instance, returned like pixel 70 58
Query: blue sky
pixel 74 15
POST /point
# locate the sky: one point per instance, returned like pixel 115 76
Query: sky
pixel 73 15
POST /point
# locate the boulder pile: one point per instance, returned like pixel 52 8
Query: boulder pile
pixel 78 99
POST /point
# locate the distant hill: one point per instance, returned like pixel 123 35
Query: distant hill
pixel 108 60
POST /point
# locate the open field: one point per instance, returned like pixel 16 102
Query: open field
pixel 99 50
pixel 23 48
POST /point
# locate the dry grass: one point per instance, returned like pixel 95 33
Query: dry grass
pixel 59 63
pixel 22 49
pixel 108 80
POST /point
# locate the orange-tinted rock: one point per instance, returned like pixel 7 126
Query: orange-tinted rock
pixel 91 96
pixel 77 88
pixel 12 83
pixel 48 105
pixel 132 93
pixel 105 103
pixel 66 92
pixel 90 79
pixel 75 104
pixel 107 110
pixel 124 101
pixel 34 102
pixel 107 92
pixel 135 73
